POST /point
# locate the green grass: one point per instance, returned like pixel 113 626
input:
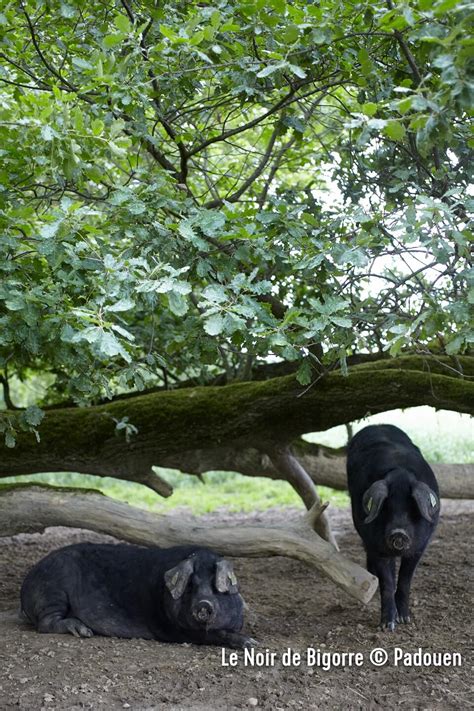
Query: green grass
pixel 442 436
pixel 221 490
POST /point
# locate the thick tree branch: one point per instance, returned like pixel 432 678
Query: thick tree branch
pixel 34 508
pixel 292 470
pixel 259 415
pixel 325 466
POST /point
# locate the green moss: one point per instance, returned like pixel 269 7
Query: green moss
pixel 249 412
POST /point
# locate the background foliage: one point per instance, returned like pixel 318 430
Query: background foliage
pixel 190 188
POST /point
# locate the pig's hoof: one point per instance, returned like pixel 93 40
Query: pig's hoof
pixel 404 619
pixel 249 642
pixel 388 626
pixel 78 628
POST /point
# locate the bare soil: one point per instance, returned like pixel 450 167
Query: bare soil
pixel 291 606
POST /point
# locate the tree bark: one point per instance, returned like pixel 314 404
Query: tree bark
pixel 324 466
pixel 291 470
pixel 34 508
pixel 244 416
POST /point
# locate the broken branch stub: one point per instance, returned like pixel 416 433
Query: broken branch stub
pixel 33 508
pixel 292 470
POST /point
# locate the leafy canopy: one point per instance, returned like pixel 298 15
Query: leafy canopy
pixel 189 188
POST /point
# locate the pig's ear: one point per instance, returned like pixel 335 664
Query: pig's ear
pixel 373 499
pixel 177 578
pixel 426 500
pixel 226 582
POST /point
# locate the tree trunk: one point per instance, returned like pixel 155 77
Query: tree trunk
pixel 34 508
pixel 244 416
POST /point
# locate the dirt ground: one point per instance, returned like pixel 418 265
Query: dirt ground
pixel 291 607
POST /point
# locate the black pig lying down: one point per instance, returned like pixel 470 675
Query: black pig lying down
pixel 395 508
pixel 182 594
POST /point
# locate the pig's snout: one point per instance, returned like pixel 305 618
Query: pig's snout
pixel 204 612
pixel 398 540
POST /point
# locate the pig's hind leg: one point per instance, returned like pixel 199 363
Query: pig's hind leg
pixel 53 618
pixel 52 623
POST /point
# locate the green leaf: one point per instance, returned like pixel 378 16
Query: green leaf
pixel 186 230
pixel 197 38
pixel 215 293
pixel 67 10
pixel 110 346
pixel 47 133
pixel 211 222
pixel 290 34
pixel 395 130
pixel 122 305
pixel 123 332
pixel 113 40
pixel 33 415
pixel 304 374
pixel 455 345
pixel 405 105
pixel 15 303
pixel 443 61
pixel 278 5
pixel 297 71
pixel 363 56
pixel 122 23
pixel 214 325
pixel 168 32
pixel 97 127
pixel 441 7
pixel 81 63
pixel 369 109
pixel 271 69
pixel 343 322
pixel 177 303
pixel 10 440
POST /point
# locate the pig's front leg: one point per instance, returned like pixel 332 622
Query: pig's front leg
pixel 226 638
pixel 384 569
pixel 402 595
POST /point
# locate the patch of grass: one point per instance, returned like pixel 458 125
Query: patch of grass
pixel 228 490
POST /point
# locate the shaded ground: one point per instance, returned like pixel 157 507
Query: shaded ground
pixel 292 607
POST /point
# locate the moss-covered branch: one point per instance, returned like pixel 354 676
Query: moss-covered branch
pixel 250 414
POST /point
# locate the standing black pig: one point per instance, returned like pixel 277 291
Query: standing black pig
pixel 182 594
pixel 395 508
